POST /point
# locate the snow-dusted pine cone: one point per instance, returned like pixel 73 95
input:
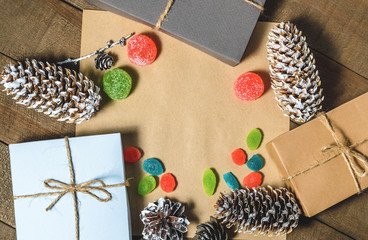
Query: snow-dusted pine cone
pixel 164 220
pixel 103 61
pixel 260 210
pixel 294 77
pixel 57 92
pixel 211 230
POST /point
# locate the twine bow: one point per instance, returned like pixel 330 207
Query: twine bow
pixel 90 188
pixel 348 152
pixel 170 3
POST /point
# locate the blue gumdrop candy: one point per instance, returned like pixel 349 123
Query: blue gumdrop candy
pixel 255 163
pixel 231 180
pixel 153 166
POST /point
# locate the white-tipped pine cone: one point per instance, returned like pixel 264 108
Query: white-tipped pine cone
pixel 164 220
pixel 259 210
pixel 57 92
pixel 294 77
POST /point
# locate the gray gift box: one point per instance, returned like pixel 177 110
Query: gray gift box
pixel 221 28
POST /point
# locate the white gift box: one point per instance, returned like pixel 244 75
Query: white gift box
pixel 93 157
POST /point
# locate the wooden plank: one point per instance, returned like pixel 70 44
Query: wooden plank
pixel 349 216
pixel 339 83
pixel 82 4
pixel 49 30
pixel 7 232
pixel 6 193
pixel 42 29
pixel 335 28
pixel 311 229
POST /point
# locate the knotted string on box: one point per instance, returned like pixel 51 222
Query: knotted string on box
pixel 64 188
pixel 350 155
pixel 170 3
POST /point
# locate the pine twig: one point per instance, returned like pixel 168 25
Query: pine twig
pixel 109 44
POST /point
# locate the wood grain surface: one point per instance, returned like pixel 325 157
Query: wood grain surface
pixel 50 30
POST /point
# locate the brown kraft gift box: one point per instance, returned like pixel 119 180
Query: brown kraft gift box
pixel 331 182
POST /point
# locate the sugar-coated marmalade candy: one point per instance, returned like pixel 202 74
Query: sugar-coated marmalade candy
pixel 239 156
pixel 168 182
pixel 255 163
pixel 254 139
pixel 248 87
pixel 117 84
pixel 153 166
pixel 209 182
pixel 141 50
pixel 132 154
pixel 253 179
pixel 147 185
pixel 231 180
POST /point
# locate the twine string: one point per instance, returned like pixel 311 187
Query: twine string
pixel 348 152
pixel 164 14
pixel 171 2
pixel 255 4
pixel 90 188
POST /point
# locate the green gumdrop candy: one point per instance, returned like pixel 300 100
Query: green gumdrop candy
pixel 209 182
pixel 117 84
pixel 254 139
pixel 146 185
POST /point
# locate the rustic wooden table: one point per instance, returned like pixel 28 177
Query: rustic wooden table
pixel 50 30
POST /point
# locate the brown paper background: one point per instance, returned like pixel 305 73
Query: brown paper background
pixel 182 110
pixel 301 148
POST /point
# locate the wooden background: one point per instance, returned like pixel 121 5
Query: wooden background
pixel 50 30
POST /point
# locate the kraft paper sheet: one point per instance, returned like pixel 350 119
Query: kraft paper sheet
pixel 182 110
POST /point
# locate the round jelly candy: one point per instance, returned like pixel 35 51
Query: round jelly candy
pixel 132 154
pixel 254 139
pixel 255 163
pixel 167 182
pixel 147 185
pixel 238 156
pixel 153 166
pixel 141 50
pixel 231 180
pixel 209 182
pixel 253 179
pixel 248 87
pixel 117 84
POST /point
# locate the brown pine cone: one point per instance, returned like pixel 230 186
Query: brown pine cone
pixel 103 61
pixel 212 230
pixel 260 210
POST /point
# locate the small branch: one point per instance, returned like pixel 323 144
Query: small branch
pixel 121 41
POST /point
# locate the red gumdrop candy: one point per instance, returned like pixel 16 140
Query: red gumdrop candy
pixel 248 87
pixel 141 50
pixel 239 157
pixel 253 179
pixel 132 154
pixel 168 182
